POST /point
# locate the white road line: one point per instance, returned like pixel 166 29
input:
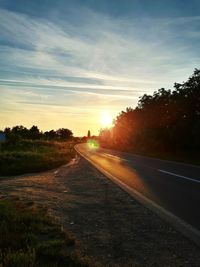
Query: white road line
pixel 189 231
pixel 181 176
pixel 114 157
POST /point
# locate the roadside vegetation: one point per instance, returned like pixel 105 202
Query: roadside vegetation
pixel 33 156
pixel 33 151
pixel 30 238
pixel 165 124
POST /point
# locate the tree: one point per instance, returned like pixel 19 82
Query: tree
pixel 64 134
pixel 20 132
pixel 167 120
pixel 50 134
pixel 34 132
pixel 7 132
pixel 88 135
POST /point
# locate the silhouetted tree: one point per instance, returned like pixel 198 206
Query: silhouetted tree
pixel 167 120
pixel 105 136
pixel 88 134
pixel 20 132
pixel 64 134
pixel 7 132
pixel 50 135
pixel 34 132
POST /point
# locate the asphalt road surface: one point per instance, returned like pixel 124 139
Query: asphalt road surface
pixel 174 186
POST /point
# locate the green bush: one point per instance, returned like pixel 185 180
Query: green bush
pixel 33 156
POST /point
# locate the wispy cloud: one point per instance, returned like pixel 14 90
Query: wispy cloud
pixel 111 50
pixel 102 63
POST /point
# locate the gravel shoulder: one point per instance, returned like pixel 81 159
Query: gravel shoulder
pixel 111 227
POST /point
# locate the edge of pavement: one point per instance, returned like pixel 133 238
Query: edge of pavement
pixel 186 229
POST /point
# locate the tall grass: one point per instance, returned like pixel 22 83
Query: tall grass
pixel 33 156
pixel 29 238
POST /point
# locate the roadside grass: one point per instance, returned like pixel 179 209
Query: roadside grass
pixel 30 238
pixel 33 156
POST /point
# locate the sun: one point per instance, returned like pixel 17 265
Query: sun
pixel 106 120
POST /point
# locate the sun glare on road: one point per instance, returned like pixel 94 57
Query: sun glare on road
pixel 106 119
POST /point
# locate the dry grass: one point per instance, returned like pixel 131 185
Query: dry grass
pixel 28 237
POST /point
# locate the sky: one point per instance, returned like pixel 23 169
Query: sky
pixel 64 63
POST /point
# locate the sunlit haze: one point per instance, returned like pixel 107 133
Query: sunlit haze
pixel 106 120
pixel 63 63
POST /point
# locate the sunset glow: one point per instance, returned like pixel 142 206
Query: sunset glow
pixel 106 120
pixel 64 62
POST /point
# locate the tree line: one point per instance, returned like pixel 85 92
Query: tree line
pixel 21 132
pixel 167 121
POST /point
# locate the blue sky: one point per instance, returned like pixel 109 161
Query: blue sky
pixel 64 63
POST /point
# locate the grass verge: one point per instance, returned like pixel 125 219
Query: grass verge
pixel 29 238
pixel 33 156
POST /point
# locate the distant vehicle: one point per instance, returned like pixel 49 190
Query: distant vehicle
pixel 2 137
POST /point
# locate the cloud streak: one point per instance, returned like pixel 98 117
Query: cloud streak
pixel 102 62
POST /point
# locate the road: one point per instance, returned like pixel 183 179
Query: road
pixel 109 225
pixel 173 186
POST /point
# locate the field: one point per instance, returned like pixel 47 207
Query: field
pixel 33 156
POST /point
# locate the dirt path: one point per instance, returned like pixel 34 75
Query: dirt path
pixel 110 226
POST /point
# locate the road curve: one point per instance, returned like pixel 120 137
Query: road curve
pixel 173 186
